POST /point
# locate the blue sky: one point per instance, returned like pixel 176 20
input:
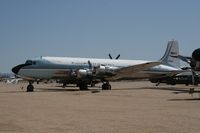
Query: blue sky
pixel 137 29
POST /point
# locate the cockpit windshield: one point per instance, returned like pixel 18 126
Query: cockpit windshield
pixel 30 62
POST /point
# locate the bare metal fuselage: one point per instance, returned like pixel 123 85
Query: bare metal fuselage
pixel 63 68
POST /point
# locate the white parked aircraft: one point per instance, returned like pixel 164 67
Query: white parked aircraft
pixel 83 71
pixel 13 80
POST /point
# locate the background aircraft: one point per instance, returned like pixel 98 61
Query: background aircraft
pixel 192 76
pixel 182 78
pixel 5 76
pixel 83 71
pixel 13 80
pixel 193 61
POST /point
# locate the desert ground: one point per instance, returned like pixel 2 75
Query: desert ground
pixel 130 107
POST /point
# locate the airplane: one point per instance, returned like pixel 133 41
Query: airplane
pixel 83 71
pixel 65 82
pixel 6 76
pixel 193 61
pixel 194 66
pixel 13 80
pixel 190 77
pixel 182 78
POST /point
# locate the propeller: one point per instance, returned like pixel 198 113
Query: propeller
pixel 115 58
pixel 90 65
pixel 92 69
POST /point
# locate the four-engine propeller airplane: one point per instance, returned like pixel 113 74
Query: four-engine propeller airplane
pixel 83 71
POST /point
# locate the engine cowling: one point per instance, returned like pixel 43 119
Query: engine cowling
pixel 82 73
pixel 196 54
pixel 104 70
pixel 195 62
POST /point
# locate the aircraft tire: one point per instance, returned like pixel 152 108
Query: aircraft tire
pixel 30 88
pixel 83 86
pixel 92 84
pixel 106 86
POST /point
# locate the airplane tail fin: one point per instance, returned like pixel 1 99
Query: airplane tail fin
pixel 171 54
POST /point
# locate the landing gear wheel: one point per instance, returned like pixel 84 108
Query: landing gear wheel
pixel 92 84
pixel 30 88
pixel 64 84
pixel 191 91
pixel 106 86
pixel 83 86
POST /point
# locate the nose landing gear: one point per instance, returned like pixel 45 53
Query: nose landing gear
pixel 30 87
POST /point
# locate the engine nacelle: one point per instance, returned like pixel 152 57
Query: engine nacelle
pixel 196 54
pixel 195 62
pixel 105 70
pixel 82 73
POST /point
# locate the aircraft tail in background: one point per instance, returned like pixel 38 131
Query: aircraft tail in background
pixel 171 54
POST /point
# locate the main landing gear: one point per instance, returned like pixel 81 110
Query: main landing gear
pixel 30 87
pixel 83 86
pixel 106 86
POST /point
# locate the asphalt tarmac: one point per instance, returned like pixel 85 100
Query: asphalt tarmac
pixel 130 107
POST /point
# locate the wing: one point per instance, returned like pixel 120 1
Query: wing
pixel 121 72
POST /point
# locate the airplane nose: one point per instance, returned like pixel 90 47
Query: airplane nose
pixel 17 68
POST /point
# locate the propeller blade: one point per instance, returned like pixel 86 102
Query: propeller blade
pixel 90 64
pixel 117 57
pixel 110 56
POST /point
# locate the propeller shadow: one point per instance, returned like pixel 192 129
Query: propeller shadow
pixel 186 99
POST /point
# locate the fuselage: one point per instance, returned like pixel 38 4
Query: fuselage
pixel 64 67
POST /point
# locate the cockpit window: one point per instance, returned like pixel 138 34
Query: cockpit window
pixel 30 62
